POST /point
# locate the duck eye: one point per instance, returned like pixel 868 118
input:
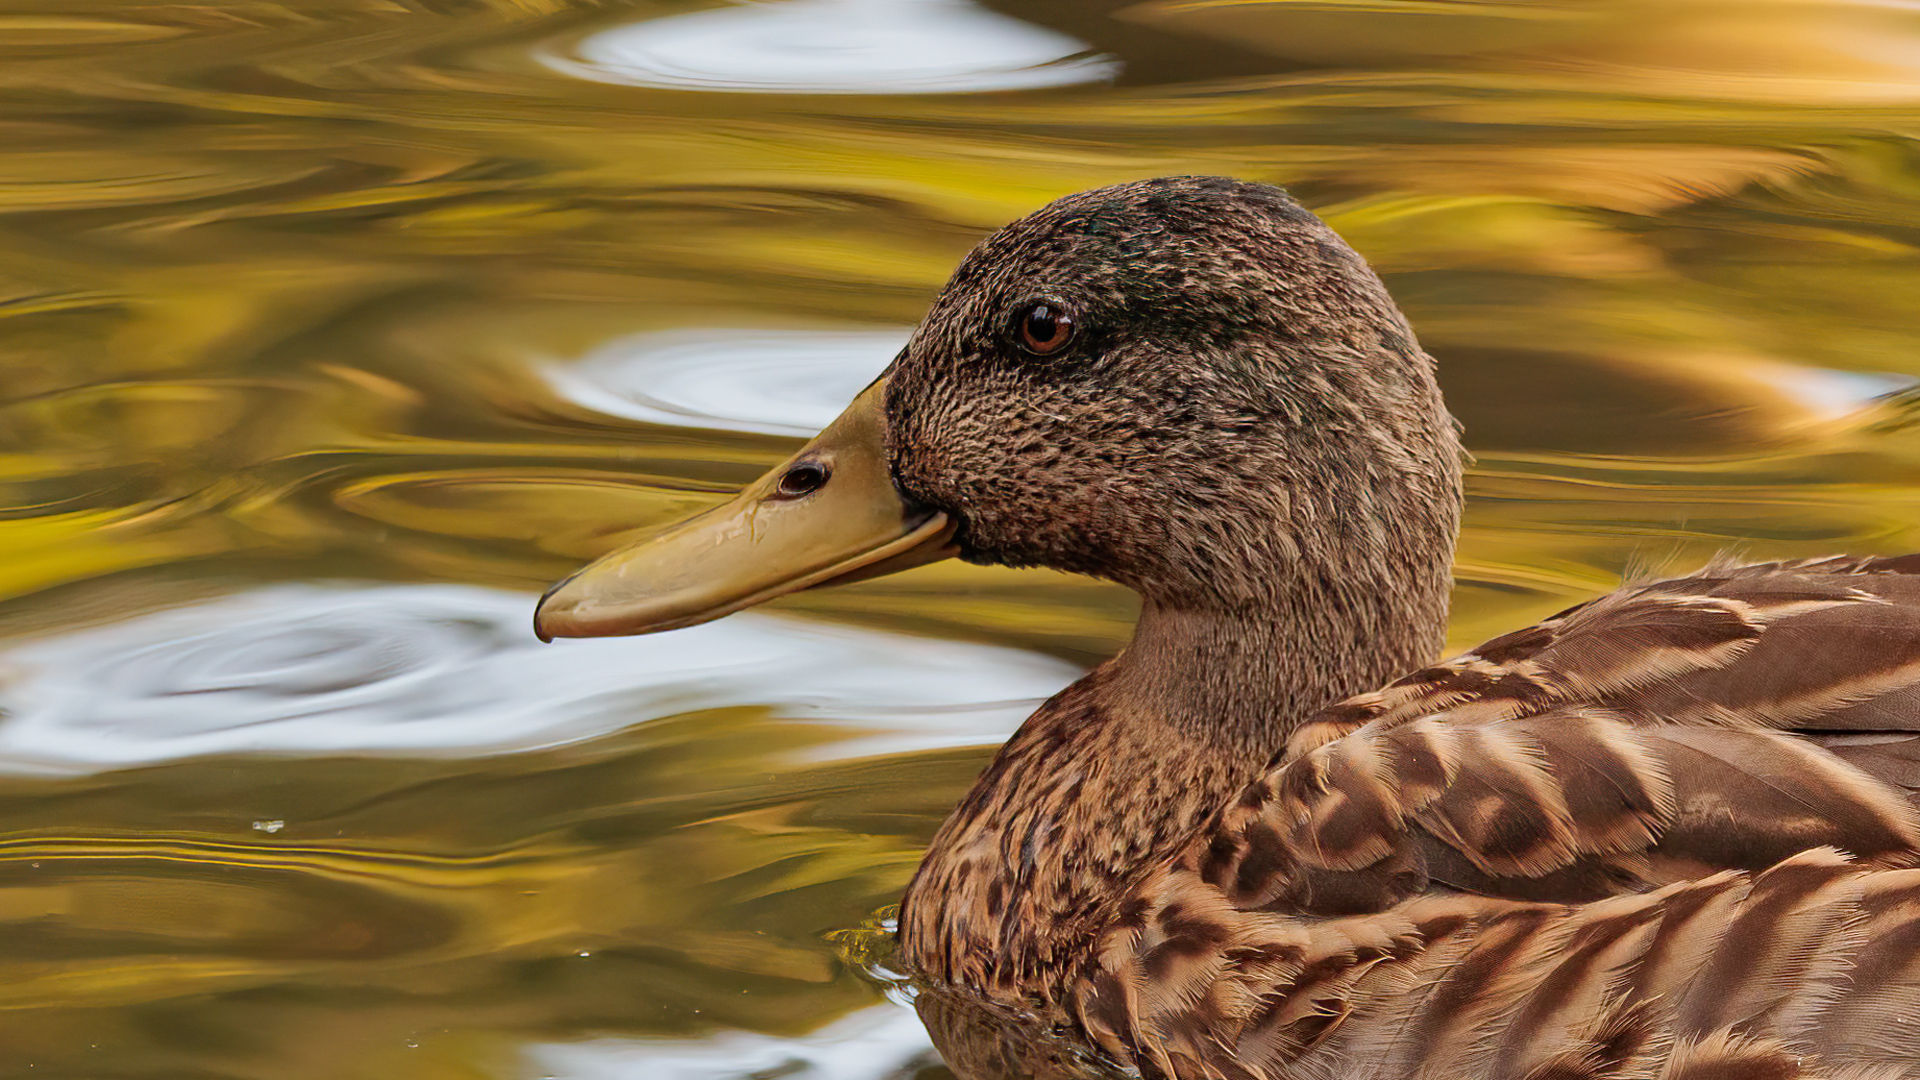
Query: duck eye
pixel 1044 329
pixel 804 478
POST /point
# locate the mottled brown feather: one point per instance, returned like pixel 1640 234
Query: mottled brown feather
pixel 1663 835
pixel 1683 762
pixel 1547 767
pixel 1774 972
pixel 1658 835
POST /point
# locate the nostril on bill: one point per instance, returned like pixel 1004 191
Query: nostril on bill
pixel 804 478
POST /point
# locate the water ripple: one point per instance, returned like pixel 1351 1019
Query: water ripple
pixel 442 669
pixel 784 382
pixel 838 47
pixel 880 1043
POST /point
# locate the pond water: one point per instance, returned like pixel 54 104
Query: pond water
pixel 332 331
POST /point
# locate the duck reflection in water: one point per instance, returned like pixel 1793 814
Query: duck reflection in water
pixel 1662 833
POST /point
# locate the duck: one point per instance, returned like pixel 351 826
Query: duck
pixel 1670 832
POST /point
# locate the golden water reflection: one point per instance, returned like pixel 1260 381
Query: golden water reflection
pixel 331 330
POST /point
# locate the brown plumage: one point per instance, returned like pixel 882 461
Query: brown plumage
pixel 1667 834
pixel 1806 969
pixel 1559 856
pixel 1613 845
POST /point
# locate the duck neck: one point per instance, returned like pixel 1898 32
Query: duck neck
pixel 1123 767
pixel 1237 682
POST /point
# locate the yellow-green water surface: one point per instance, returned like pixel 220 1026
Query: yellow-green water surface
pixel 332 331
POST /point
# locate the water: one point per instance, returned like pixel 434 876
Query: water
pixel 331 332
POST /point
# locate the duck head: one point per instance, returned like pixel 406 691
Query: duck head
pixel 1188 385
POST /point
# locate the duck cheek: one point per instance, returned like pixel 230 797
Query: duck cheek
pixel 1036 527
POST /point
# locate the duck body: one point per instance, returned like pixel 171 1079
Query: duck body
pixel 1665 834
pixel 1610 845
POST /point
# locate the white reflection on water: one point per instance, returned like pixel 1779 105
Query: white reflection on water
pixel 1830 393
pixel 837 47
pixel 785 382
pixel 448 669
pixel 880 1043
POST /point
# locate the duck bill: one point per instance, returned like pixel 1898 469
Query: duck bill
pixel 827 515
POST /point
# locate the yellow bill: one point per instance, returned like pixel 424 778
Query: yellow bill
pixel 828 514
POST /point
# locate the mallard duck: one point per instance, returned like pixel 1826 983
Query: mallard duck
pixel 1665 833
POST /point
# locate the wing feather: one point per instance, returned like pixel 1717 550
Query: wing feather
pixel 1570 805
pixel 1807 971
pixel 1663 835
pixel 1669 730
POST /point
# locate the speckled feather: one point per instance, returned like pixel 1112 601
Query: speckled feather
pixel 1664 834
pixel 1804 970
pixel 1508 794
pixel 1663 731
